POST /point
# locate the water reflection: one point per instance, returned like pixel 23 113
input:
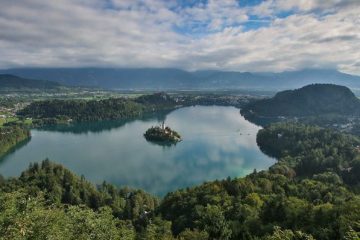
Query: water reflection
pixel 164 144
pixel 14 149
pixel 94 127
pixel 217 142
pixel 262 121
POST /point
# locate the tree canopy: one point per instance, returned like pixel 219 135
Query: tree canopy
pixel 306 195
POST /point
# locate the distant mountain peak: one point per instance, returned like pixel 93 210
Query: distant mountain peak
pixel 172 78
pixel 12 82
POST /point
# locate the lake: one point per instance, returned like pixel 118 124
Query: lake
pixel 217 142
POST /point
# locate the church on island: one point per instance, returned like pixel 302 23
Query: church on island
pixel 162 133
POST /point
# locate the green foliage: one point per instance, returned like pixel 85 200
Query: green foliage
pixel 249 208
pixel 158 229
pixel 157 101
pixel 288 235
pixel 188 234
pixel 352 235
pixel 27 217
pixel 82 110
pixel 158 134
pixel 212 220
pixel 311 100
pixel 50 112
pixel 60 186
pixel 311 193
pixel 12 135
pixel 48 199
pixel 312 150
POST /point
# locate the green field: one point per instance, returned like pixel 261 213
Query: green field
pixel 2 121
pixel 14 119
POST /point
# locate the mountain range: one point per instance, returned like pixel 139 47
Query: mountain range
pixel 11 82
pixel 169 78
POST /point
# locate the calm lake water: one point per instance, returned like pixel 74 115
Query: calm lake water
pixel 217 142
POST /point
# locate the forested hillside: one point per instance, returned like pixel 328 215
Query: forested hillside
pixel 48 200
pixel 311 100
pixel 10 136
pixel 288 201
pixel 312 150
pixel 52 111
pixel 82 110
pixel 311 189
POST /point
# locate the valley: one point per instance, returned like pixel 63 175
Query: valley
pixel 226 170
pixel 180 120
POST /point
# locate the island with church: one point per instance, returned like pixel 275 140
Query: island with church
pixel 162 134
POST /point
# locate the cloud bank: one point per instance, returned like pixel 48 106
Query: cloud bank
pixel 245 35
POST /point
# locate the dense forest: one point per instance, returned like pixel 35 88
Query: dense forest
pixel 311 150
pixel 311 100
pixel 60 111
pixel 64 111
pixel 82 110
pixel 311 193
pixel 10 136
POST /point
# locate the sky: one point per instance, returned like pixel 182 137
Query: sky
pixel 231 35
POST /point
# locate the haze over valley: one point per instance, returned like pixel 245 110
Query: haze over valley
pixel 176 79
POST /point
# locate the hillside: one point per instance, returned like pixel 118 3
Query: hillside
pixel 11 82
pixel 49 112
pixel 10 136
pixel 311 100
pixel 169 78
pixel 111 78
pixel 310 193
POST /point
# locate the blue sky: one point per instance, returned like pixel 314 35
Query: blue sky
pixel 236 35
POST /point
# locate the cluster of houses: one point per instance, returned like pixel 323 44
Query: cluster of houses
pixel 7 112
pixel 10 112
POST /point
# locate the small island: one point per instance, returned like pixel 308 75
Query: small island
pixel 162 134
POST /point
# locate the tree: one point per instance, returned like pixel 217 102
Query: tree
pixel 288 235
pixel 188 234
pixel 214 223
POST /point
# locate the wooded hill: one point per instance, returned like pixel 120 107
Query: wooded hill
pixel 51 111
pixel 311 100
pixel 10 136
pixel 286 202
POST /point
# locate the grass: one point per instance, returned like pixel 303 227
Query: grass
pixel 2 121
pixel 14 119
pixel 28 121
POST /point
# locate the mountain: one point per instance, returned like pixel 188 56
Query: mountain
pixel 311 100
pixel 170 78
pixel 11 82
pixel 111 78
pixel 310 76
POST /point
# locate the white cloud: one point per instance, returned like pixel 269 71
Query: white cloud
pixel 272 7
pixel 215 14
pixel 156 33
